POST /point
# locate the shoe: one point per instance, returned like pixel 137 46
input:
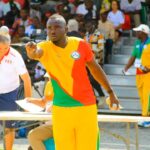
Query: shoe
pixel 144 124
pixel 126 73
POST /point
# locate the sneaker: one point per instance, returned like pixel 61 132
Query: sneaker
pixel 126 73
pixel 144 124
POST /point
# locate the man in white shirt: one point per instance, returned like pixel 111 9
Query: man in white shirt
pixel 132 7
pixel 11 68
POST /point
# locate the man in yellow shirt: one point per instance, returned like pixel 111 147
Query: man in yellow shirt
pixel 75 124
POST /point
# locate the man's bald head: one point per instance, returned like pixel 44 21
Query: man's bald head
pixel 57 19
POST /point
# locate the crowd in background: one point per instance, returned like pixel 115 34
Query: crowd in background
pixel 24 16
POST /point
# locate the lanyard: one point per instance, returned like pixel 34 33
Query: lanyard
pixel 142 45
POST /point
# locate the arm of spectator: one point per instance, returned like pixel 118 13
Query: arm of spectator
pixel 130 63
pixel 37 101
pixel 33 51
pixel 27 84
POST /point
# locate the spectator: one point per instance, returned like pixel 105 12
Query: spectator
pixel 105 6
pixel 24 20
pixel 64 10
pixel 38 135
pixel 35 9
pixel 73 28
pixel 39 72
pixel 1 9
pixel 132 8
pixel 19 35
pixel 12 67
pixel 81 9
pixel 96 41
pixel 117 18
pixel 107 29
pixel 35 26
pixel 91 11
pixel 11 11
pixel 140 57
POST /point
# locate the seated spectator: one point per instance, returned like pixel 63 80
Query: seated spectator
pixel 19 35
pixel 117 18
pixel 39 72
pixel 73 28
pixel 132 8
pixel 35 9
pixel 91 11
pixel 24 20
pixel 105 6
pixel 64 10
pixel 35 25
pixel 43 132
pixel 1 9
pixel 81 9
pixel 96 40
pixel 107 29
pixel 11 11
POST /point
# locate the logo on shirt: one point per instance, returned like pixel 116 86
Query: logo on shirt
pixel 75 55
pixel 8 61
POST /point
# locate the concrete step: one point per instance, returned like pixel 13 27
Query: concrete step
pixel 125 92
pixel 128 81
pixel 133 104
pixel 127 104
pixel 113 69
pixel 126 50
pixel 128 40
pixel 119 59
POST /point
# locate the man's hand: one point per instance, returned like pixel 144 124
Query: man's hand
pixel 114 101
pixel 32 51
pixel 145 69
pixel 31 47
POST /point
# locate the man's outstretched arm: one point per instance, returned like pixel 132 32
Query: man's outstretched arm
pixel 33 51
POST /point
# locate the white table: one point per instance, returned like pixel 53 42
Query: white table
pixel 6 115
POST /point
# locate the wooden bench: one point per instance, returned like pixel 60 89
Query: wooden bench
pixel 101 118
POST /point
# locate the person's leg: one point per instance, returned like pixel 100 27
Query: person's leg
pixel 146 95
pixel 63 128
pixel 7 103
pixel 137 20
pixel 139 85
pixel 38 135
pixel 9 138
pixel 108 49
pixel 87 128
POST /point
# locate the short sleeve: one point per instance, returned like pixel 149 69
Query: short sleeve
pixel 134 52
pixel 121 17
pixel 88 52
pixel 20 65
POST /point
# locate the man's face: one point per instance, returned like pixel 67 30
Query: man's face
pixel 3 49
pixel 89 5
pixel 139 34
pixel 56 29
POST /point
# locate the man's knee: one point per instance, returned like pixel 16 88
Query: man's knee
pixel 31 135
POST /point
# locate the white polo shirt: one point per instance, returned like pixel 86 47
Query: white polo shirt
pixel 11 66
pixel 116 18
pixel 127 7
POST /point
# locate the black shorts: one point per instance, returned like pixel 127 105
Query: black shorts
pixel 7 103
